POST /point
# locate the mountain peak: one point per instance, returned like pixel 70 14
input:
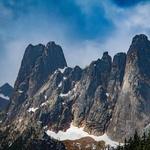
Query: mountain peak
pixel 6 89
pixel 6 85
pixel 107 59
pixel 55 53
pixel 38 63
pixel 139 38
pixel 51 43
pixel 106 97
pixel 106 55
pixel 140 48
pixel 5 94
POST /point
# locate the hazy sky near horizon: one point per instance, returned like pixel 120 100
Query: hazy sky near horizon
pixel 84 28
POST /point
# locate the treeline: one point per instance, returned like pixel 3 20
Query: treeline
pixel 137 142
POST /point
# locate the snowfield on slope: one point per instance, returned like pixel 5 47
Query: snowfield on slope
pixel 32 109
pixel 62 70
pixel 75 133
pixel 4 97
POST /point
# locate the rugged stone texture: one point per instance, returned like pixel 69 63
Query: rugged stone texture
pixel 117 71
pixel 3 104
pixel 38 63
pixel 5 93
pixel 116 78
pixel 6 90
pixel 84 144
pixel 107 96
pixel 30 139
pixel 72 95
pixel 132 110
pixel 91 105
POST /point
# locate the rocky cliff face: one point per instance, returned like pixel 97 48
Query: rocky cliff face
pixel 109 96
pixel 73 95
pixel 132 109
pixel 6 91
pixel 92 93
pixel 30 139
pixel 38 63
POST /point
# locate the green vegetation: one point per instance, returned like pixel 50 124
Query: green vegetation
pixel 136 143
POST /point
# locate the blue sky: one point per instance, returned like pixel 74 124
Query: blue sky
pixel 84 28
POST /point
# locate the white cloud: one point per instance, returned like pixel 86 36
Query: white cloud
pixel 82 53
pixel 127 22
pixel 86 6
pixel 5 12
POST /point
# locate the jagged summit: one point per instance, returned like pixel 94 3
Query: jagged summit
pixel 38 63
pixel 51 43
pixel 132 110
pixel 108 96
pixel 6 89
pixel 139 43
pixel 140 37
pixel 105 53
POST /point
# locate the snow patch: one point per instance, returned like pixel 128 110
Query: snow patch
pixel 45 97
pixel 64 95
pixel 75 87
pixel 60 84
pixel 44 104
pixel 32 109
pixel 88 146
pixel 20 91
pixel 146 129
pixel 93 146
pixel 4 97
pixel 45 127
pixel 73 91
pixel 75 133
pixel 39 122
pixel 62 70
pixel 107 94
pixel 55 71
pixel 20 120
pixel 0 121
pixel 64 78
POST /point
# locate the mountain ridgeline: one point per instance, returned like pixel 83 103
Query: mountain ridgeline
pixel 38 63
pixel 108 96
pixel 6 91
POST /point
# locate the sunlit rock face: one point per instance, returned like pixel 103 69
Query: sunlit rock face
pixel 132 110
pixel 109 96
pixel 38 63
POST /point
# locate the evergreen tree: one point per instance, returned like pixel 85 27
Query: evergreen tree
pixel 136 143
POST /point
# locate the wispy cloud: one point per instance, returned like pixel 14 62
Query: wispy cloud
pixel 84 29
pixel 128 22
